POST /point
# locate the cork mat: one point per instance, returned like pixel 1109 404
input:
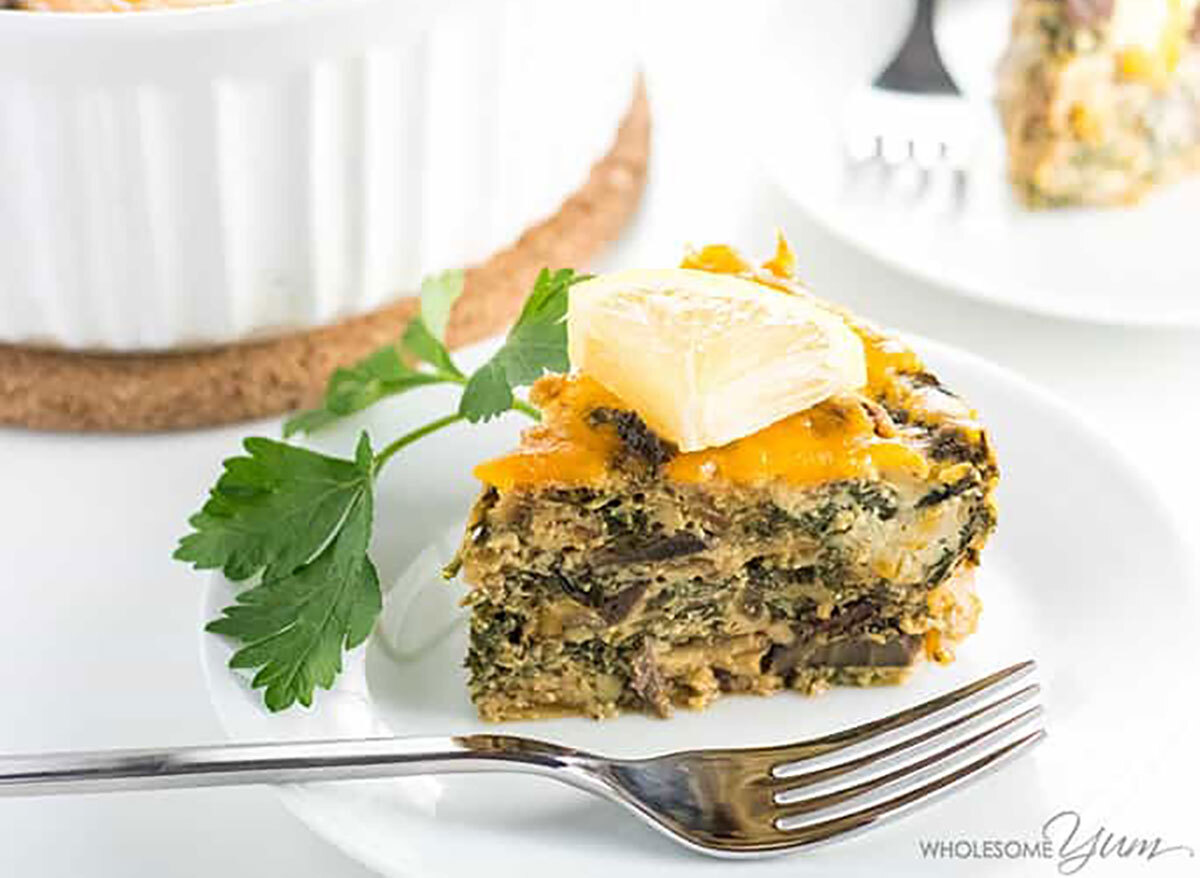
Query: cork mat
pixel 61 390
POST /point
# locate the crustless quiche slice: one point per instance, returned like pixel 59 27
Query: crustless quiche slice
pixel 1100 99
pixel 739 488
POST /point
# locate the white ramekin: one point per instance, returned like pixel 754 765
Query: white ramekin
pixel 188 178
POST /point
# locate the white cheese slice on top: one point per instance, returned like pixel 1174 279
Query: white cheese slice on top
pixel 707 358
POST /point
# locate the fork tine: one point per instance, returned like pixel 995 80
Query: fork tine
pixel 809 834
pixel 791 782
pixel 895 151
pixel 871 784
pixel 862 146
pixel 773 839
pixel 804 750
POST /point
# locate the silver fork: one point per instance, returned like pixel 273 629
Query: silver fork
pixel 742 802
pixel 913 116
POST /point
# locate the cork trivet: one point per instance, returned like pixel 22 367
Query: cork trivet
pixel 61 390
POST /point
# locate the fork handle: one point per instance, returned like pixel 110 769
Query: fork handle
pixel 918 66
pixel 234 764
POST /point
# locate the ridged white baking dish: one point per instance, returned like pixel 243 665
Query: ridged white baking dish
pixel 188 178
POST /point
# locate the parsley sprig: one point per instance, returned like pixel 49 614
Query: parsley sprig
pixel 297 524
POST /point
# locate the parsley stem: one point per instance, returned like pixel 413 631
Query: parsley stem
pixel 409 438
pixel 433 426
pixel 526 409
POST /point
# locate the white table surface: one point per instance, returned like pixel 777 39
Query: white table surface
pixel 99 628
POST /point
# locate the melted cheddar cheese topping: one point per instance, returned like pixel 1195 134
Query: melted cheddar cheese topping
pixel 828 442
pixel 563 449
pixel 833 440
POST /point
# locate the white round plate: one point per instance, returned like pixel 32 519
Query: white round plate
pixel 1131 266
pixel 1083 548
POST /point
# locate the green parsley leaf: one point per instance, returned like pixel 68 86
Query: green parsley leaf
pixel 439 292
pixel 426 333
pixel 376 376
pixel 296 623
pixel 308 421
pixel 537 343
pixel 275 509
pixel 296 626
pixel 422 344
pixel 384 373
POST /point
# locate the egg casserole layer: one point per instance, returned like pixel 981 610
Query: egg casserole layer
pixel 1100 99
pixel 609 571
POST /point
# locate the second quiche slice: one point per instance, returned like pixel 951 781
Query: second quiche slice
pixel 739 489
pixel 1100 99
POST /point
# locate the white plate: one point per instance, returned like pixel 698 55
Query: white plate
pixel 1119 266
pixel 1082 549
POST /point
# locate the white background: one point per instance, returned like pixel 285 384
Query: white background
pixel 99 628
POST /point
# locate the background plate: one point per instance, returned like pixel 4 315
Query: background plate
pixel 1083 548
pixel 1116 266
